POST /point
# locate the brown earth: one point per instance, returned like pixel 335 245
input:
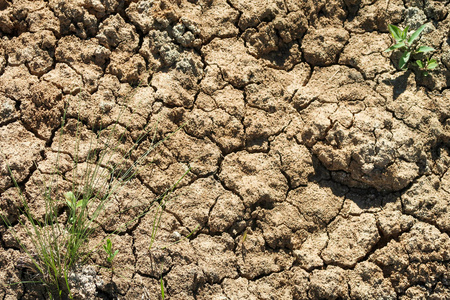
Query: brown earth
pixel 300 132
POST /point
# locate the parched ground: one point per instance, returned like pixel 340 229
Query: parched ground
pixel 319 170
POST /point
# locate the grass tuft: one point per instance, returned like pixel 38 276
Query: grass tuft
pixel 55 240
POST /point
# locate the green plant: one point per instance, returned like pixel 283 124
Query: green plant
pixel 410 49
pixel 109 251
pixel 55 247
pixel 427 65
pixel 73 205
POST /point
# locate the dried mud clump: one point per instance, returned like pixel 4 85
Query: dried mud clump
pixel 260 182
pixel 19 161
pixel 317 169
pixel 357 134
pixel 321 47
pixel 35 50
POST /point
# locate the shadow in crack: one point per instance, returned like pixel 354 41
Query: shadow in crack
pixel 434 81
pixel 399 84
pixel 364 197
pixel 285 58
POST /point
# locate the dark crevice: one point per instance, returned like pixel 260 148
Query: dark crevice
pixel 10 121
pixel 382 242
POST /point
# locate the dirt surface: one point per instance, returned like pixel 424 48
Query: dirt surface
pixel 301 134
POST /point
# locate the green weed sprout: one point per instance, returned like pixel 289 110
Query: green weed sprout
pixel 109 251
pixel 411 51
pixel 73 204
pixel 428 65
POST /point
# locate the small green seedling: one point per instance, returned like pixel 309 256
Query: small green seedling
pixel 72 201
pixel 410 49
pixel 73 205
pixel 109 251
pixel 427 65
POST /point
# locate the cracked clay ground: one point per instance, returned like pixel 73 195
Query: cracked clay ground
pixel 300 132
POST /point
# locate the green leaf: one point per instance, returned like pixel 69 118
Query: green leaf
pixel 425 74
pixel 419 63
pixel 395 32
pixel 404 59
pixel 70 197
pixel 70 200
pixel 108 246
pixel 424 49
pixel 396 46
pixel 432 64
pixel 69 203
pixel 405 33
pixel 416 34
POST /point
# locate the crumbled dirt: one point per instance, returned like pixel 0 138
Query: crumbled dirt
pixel 318 170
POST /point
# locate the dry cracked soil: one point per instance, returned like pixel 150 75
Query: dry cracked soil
pixel 318 169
